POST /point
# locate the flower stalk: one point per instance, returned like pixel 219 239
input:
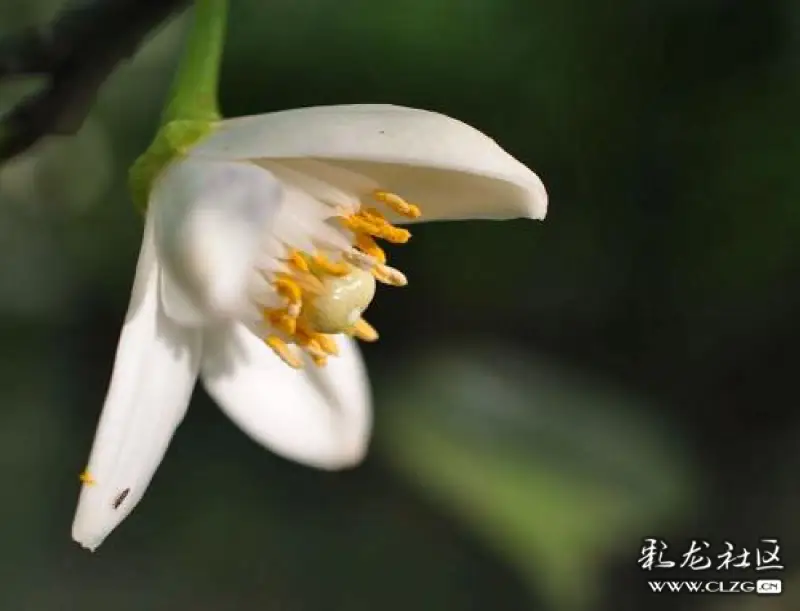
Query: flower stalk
pixel 192 109
pixel 194 94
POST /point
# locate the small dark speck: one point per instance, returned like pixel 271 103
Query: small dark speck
pixel 120 497
pixel 381 131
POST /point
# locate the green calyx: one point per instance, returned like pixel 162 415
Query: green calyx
pixel 173 141
pixel 192 112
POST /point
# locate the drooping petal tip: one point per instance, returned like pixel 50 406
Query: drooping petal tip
pixel 535 198
pixel 97 517
pixel 154 373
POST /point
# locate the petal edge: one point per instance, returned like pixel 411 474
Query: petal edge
pixel 154 373
pixel 321 419
pixel 396 140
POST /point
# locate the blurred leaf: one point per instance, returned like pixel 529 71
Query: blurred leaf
pixel 554 470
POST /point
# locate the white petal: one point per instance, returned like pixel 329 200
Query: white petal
pixel 317 416
pixel 154 373
pixel 211 219
pixel 302 223
pixel 178 305
pixel 450 169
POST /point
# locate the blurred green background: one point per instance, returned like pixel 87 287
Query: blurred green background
pixel 547 394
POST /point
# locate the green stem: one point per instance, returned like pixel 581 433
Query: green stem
pixel 192 110
pixel 194 90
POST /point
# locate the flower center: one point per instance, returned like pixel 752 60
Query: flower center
pixel 325 294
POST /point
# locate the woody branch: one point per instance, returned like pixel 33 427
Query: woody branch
pixel 76 53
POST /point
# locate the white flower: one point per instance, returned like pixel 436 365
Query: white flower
pixel 259 256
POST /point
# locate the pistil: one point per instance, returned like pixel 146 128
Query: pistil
pixel 324 297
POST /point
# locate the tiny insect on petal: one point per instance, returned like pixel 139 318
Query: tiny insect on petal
pixel 120 498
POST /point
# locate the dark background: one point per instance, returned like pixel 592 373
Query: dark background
pixel 547 394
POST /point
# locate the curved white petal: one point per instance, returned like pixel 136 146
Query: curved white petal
pixel 317 416
pixel 154 374
pixel 178 305
pixel 210 221
pixel 450 169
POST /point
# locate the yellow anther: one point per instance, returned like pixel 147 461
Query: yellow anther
pixel 367 244
pixel 327 343
pixel 364 331
pixel 297 260
pixel 374 216
pixel 358 223
pixel 282 320
pixel 398 204
pixel 283 351
pixel 389 275
pixel 288 288
pixel 87 478
pixel 312 343
pixel 314 349
pixel 324 292
pixel 304 332
pixel 393 234
pixel 324 265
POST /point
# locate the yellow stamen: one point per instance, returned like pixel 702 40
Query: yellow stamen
pixel 398 204
pixel 317 345
pixel 323 293
pixel 314 349
pixel 327 343
pixel 367 244
pixel 87 478
pixel 283 351
pixel 281 320
pixel 324 265
pixel 364 331
pixel 374 216
pixel 360 223
pixel 296 259
pixel 389 275
pixel 287 287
